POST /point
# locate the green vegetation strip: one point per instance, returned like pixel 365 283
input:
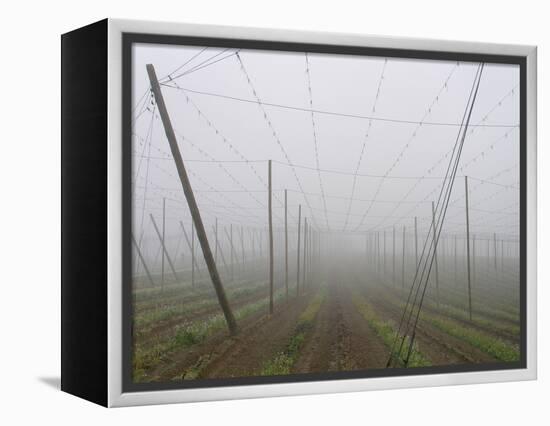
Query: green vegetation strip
pixel 462 315
pixel 386 331
pixel 491 345
pixel 283 362
pixel 488 344
pixel 190 334
pixel 144 321
pixel 155 297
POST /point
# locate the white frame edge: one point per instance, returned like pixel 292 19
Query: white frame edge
pixel 116 397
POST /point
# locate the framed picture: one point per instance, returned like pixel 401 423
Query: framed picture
pixel 254 213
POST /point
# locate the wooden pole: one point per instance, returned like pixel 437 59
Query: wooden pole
pixel 216 245
pixel 222 256
pixel 393 257
pixel 260 242
pixel 403 264
pixel 298 252
pixel 384 263
pixel 164 247
pixel 435 253
pixel 378 251
pixel 468 248
pixel 495 251
pixel 474 258
pixel 416 241
pixel 270 220
pixel 456 246
pixel 502 255
pixel 305 253
pixel 286 244
pixel 242 247
pixel 229 236
pixel 190 197
pixel 188 241
pixel 143 262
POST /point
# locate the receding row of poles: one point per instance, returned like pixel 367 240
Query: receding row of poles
pixel 308 243
pixel 373 251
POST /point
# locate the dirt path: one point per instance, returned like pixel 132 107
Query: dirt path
pixel 259 339
pixel 341 339
pixel 258 344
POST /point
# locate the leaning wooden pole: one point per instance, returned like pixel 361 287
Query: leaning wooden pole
pixel 190 197
pixel 164 250
pixel 468 248
pixel 298 252
pixel 222 256
pixel 143 262
pixel 270 220
pixel 189 245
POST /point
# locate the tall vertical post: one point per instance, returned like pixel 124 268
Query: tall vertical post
pixel 393 257
pixel 286 243
pixel 384 263
pixel 474 279
pixel 163 239
pixel 305 253
pixel 242 247
pixel 455 271
pixel 378 251
pixel 253 233
pixel 502 255
pixel 270 217
pixel 403 264
pixel 190 197
pixel 192 254
pixel 495 251
pixel 298 252
pixel 435 253
pixel 468 247
pixel 216 246
pixel 260 242
pixel 416 241
pixel 231 251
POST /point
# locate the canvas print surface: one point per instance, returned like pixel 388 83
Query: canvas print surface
pixel 330 214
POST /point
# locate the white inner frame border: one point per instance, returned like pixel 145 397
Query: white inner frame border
pixel 116 397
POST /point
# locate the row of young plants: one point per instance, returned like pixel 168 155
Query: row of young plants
pixel 486 342
pixel 282 362
pixel 146 357
pixel 387 331
pixel 144 321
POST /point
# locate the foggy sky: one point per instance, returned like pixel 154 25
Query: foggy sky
pixel 405 162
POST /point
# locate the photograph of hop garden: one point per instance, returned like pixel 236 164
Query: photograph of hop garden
pixel 302 213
